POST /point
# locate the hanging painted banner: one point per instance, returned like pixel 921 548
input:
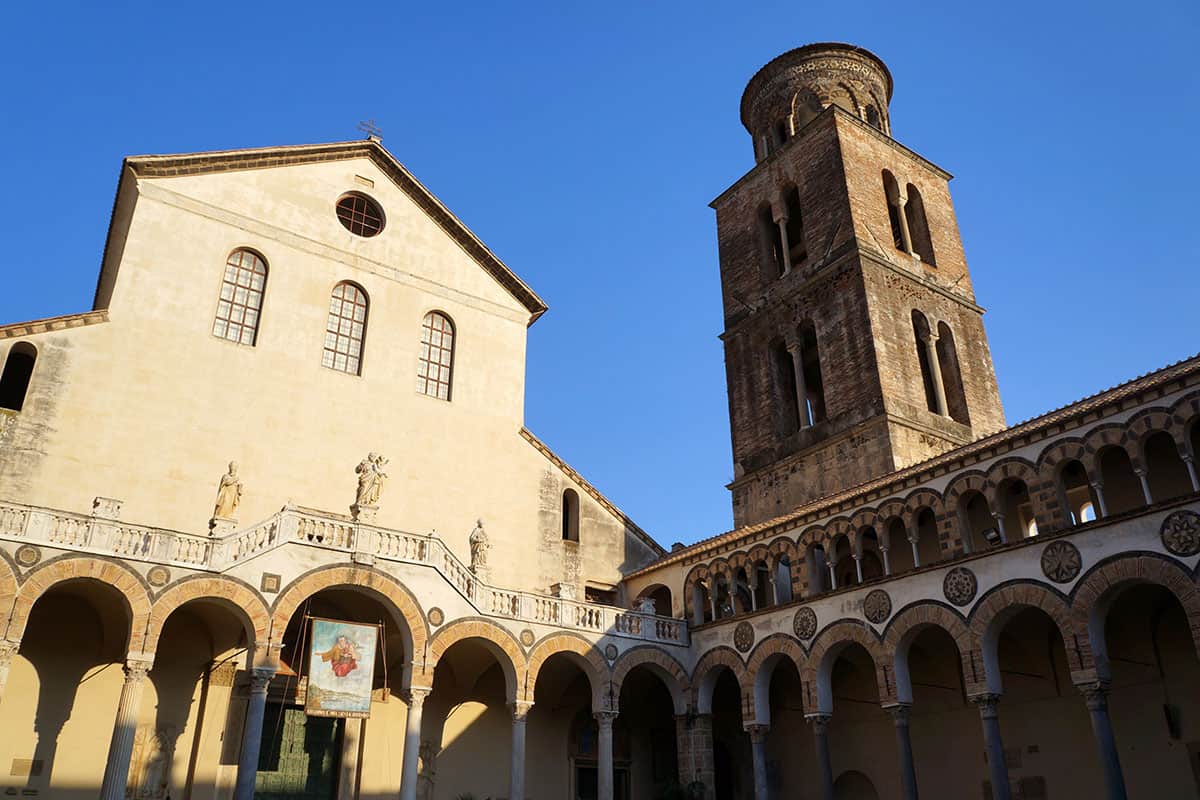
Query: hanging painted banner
pixel 341 669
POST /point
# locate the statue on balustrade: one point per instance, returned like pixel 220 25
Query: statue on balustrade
pixel 479 549
pixel 371 479
pixel 229 494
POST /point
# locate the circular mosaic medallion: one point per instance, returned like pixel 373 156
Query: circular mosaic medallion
pixel 527 637
pixel 960 586
pixel 877 606
pixel 805 623
pixel 743 636
pixel 436 616
pixel 158 576
pixel 1181 533
pixel 28 555
pixel 1061 561
pixel 610 652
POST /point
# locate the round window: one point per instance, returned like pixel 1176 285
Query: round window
pixel 359 214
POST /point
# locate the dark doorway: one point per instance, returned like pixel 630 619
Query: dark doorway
pixel 300 756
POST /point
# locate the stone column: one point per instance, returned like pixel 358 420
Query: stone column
pixel 1000 526
pixel 758 747
pixel 1143 474
pixel 782 221
pixel 935 372
pixel 516 782
pixel 1096 695
pixel 410 766
pixel 8 651
pixel 1190 463
pixel 908 771
pixel 712 601
pixel 820 725
pixel 1098 488
pixel 120 748
pixel 801 386
pixel 604 778
pixel 858 566
pixel 905 234
pixel 916 552
pixel 832 575
pixel 997 767
pixel 256 707
pixel 887 566
pixel 693 738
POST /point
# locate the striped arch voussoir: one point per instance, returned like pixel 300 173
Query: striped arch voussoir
pixel 1034 595
pixel 586 653
pixel 478 628
pixel 245 601
pixel 717 658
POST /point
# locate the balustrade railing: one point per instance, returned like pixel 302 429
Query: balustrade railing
pixel 299 526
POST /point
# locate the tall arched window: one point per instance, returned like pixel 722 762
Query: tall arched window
pixel 240 303
pixel 783 370
pixel 956 396
pixel 570 516
pixel 346 328
pixel 918 226
pixel 772 245
pixel 14 381
pixel 797 251
pixel 814 384
pixel 891 195
pixel 436 364
pixel 922 333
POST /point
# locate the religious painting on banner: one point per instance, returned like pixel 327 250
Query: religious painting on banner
pixel 341 669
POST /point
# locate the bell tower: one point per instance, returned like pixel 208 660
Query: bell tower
pixel 853 343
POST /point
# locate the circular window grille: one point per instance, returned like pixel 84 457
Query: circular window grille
pixel 359 215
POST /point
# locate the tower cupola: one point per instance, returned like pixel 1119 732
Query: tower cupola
pixel 795 87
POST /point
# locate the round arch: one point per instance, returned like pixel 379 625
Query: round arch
pixel 502 644
pixel 905 627
pixel 70 568
pixel 764 658
pixel 706 672
pixel 666 668
pixel 817 674
pixel 581 652
pixel 232 594
pixel 1003 602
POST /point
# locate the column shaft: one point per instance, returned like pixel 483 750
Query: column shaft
pixel 1191 468
pixel 252 727
pixel 935 372
pixel 916 553
pixel 1096 695
pixel 905 234
pixel 1143 477
pixel 801 387
pixel 1098 488
pixel 887 565
pixel 832 575
pixel 120 748
pixel 908 770
pixel 820 724
pixel 858 568
pixel 787 248
pixel 604 720
pixel 8 651
pixel 758 749
pixel 410 767
pixel 516 783
pixel 994 744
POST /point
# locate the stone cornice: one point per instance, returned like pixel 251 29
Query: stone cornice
pixel 15 330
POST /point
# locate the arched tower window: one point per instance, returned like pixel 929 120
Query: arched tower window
pixel 814 384
pixel 797 251
pixel 784 374
pixel 918 226
pixel 781 132
pixel 772 245
pixel 891 196
pixel 570 516
pixel 921 333
pixel 241 298
pixel 956 397
pixel 14 381
pixel 873 118
pixel 345 329
pixel 436 363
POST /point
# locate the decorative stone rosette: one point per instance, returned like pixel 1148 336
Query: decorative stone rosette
pixel 1061 562
pixel 436 616
pixel 804 623
pixel 1180 533
pixel 743 637
pixel 960 586
pixel 877 606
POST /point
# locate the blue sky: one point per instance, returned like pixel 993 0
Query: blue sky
pixel 583 143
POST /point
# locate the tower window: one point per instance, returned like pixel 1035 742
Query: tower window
pixel 797 252
pixel 814 384
pixel 873 118
pixel 18 370
pixel 921 334
pixel 784 371
pixel 570 516
pixel 345 329
pixel 918 226
pixel 359 214
pixel 771 242
pixel 956 397
pixel 891 193
pixel 781 132
pixel 240 303
pixel 436 363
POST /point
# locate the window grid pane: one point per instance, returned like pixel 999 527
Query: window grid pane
pixel 345 328
pixel 241 296
pixel 360 216
pixel 437 356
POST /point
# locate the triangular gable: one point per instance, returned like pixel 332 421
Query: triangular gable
pixel 167 166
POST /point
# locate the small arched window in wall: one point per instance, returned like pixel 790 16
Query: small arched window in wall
pixel 891 196
pixel 14 381
pixel 570 516
pixel 797 251
pixel 772 246
pixel 952 382
pixel 240 303
pixel 814 383
pixel 921 334
pixel 436 363
pixel 873 118
pixel 784 375
pixel 345 329
pixel 918 226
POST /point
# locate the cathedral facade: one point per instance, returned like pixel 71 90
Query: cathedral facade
pixel 271 524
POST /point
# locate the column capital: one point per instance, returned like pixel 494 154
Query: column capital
pixel 260 679
pixel 415 696
pixel 1097 484
pixel 1141 472
pixel 7 651
pixel 520 710
pixel 986 702
pixel 1095 693
pixel 899 712
pixel 1187 458
pixel 929 337
pixel 758 733
pixel 605 718
pixel 819 722
pixel 136 669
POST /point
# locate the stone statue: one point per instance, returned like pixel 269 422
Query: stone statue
pixel 479 548
pixel 371 479
pixel 229 494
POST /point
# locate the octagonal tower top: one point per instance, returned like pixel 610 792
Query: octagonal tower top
pixel 791 89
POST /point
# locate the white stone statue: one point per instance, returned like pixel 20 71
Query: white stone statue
pixel 371 479
pixel 229 494
pixel 479 547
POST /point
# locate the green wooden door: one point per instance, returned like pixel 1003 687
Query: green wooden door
pixel 299 756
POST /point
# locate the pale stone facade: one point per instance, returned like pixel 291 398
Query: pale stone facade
pixel 915 600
